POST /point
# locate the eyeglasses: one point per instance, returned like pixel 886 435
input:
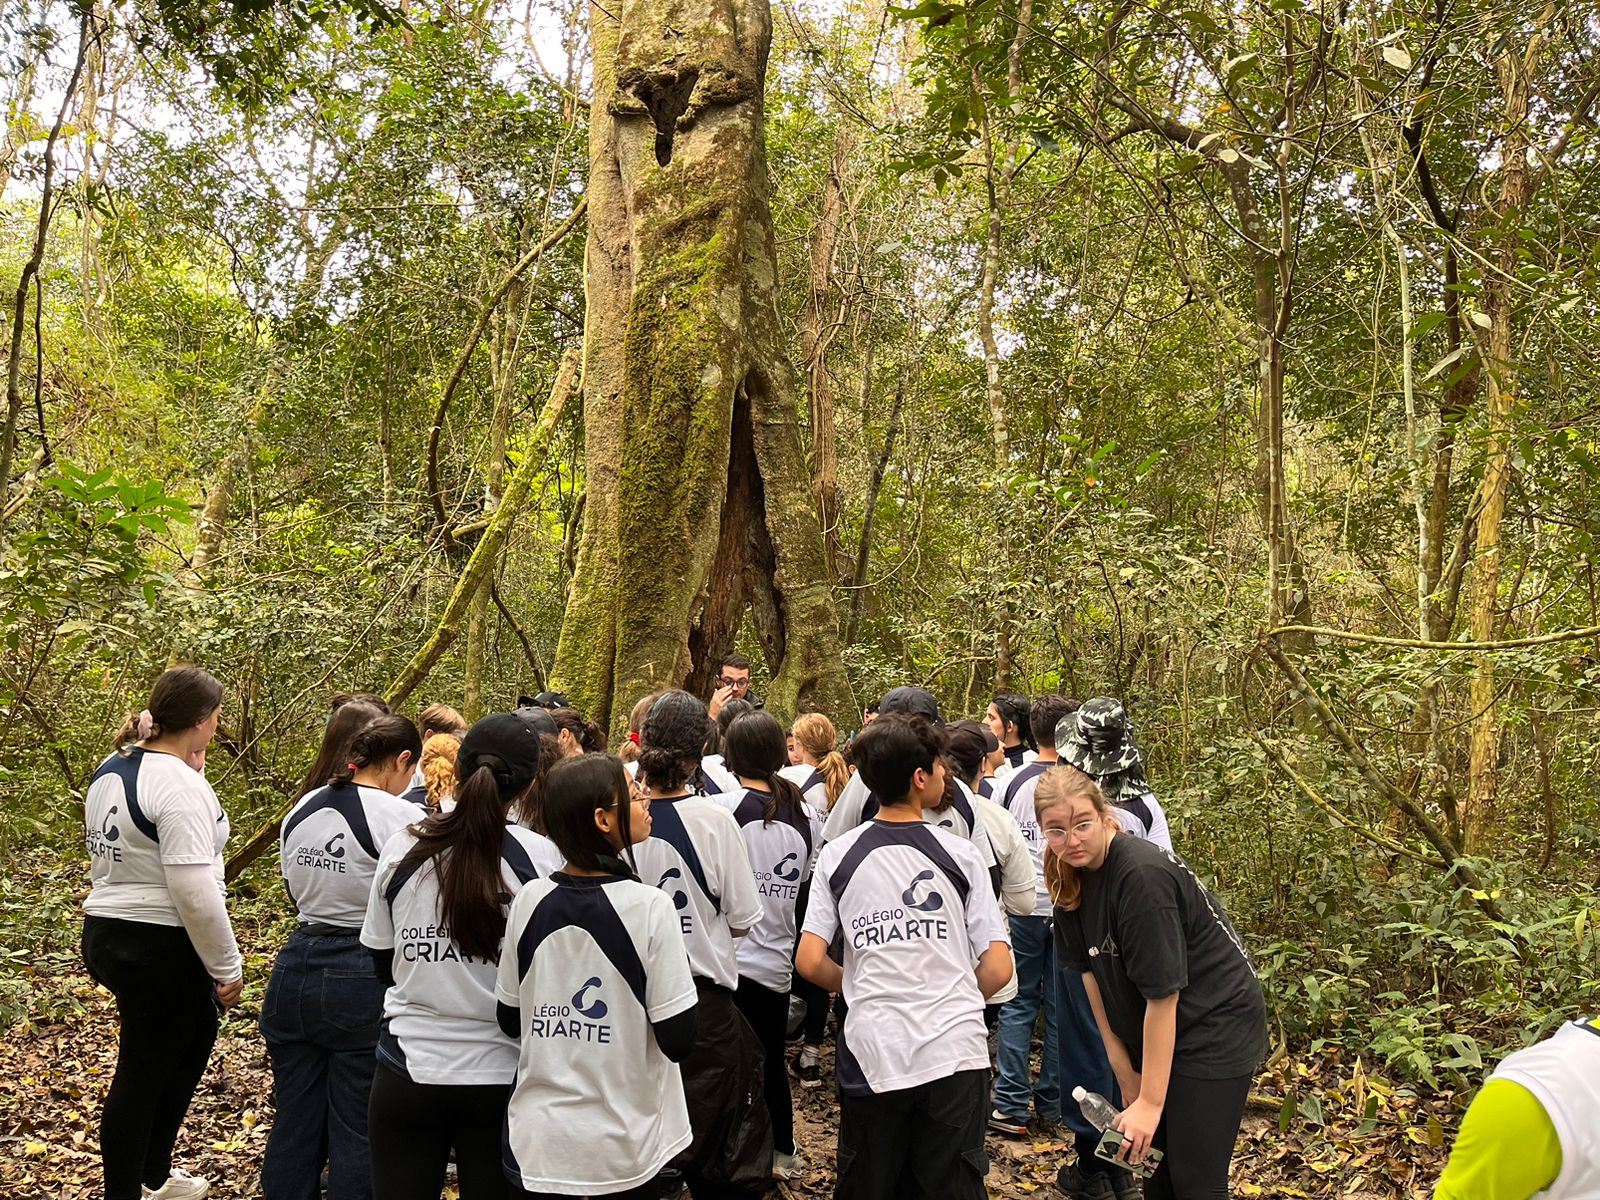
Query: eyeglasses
pixel 735 684
pixel 1076 834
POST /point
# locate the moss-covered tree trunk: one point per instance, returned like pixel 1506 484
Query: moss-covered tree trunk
pixel 698 497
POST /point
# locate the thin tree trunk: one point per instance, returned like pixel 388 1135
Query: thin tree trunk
pixel 29 277
pixel 480 566
pixel 1515 72
pixel 1000 171
pixel 858 580
pixel 815 338
pixel 503 377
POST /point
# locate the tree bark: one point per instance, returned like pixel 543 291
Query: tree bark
pixel 486 553
pixel 698 501
pixel 1515 71
pixel 29 277
pixel 858 581
pixel 815 337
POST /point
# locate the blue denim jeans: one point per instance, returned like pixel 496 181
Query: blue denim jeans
pixel 1082 1052
pixel 320 1020
pixel 1034 951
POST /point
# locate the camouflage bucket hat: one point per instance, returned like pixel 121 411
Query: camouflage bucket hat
pixel 1098 739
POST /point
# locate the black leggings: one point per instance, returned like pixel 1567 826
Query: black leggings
pixel 412 1126
pixel 168 1023
pixel 768 1014
pixel 1198 1129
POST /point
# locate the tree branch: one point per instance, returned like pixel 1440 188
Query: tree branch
pixel 1278 757
pixel 1380 783
pixel 486 553
pixel 435 490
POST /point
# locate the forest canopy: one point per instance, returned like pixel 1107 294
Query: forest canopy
pixel 1234 360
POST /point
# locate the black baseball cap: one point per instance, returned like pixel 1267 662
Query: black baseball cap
pixel 914 701
pixel 543 700
pixel 506 743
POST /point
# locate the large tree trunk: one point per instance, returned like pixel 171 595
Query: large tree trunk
pixel 698 497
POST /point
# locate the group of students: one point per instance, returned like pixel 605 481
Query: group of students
pixel 571 973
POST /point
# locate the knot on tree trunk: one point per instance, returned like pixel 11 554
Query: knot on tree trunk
pixel 665 97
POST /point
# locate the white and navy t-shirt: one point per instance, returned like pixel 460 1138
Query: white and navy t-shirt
pixel 146 811
pixel 696 855
pixel 717 781
pixel 1144 817
pixel 811 782
pixel 329 846
pixel 781 853
pixel 857 804
pixel 590 964
pixel 1016 796
pixel 915 909
pixel 438 1019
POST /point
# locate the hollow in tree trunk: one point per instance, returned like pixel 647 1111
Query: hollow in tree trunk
pixel 698 497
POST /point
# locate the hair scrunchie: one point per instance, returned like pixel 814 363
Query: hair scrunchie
pixel 146 726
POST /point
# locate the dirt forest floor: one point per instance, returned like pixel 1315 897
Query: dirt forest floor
pixel 53 1077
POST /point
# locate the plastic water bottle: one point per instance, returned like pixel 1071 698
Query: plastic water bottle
pixel 1102 1114
pixel 1096 1109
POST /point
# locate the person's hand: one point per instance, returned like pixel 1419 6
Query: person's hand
pixel 197 760
pixel 1129 1085
pixel 228 993
pixel 1138 1125
pixel 718 698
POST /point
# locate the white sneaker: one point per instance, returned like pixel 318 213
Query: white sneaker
pixel 180 1185
pixel 787 1166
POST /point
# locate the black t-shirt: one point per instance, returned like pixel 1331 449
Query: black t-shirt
pixel 1147 928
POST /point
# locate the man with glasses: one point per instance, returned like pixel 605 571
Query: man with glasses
pixel 733 683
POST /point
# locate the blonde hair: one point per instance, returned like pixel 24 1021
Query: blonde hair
pixel 1058 786
pixel 439 767
pixel 441 718
pixel 630 749
pixel 818 738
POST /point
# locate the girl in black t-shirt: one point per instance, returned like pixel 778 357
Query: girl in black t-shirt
pixel 1171 985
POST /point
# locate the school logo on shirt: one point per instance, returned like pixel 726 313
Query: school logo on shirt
pixel 327 857
pixel 680 898
pixel 779 883
pixel 882 926
pixel 932 902
pixel 102 841
pixel 562 1020
pixel 593 1011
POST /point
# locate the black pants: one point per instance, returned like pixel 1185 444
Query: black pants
pixel 1198 1129
pixel 918 1143
pixel 412 1127
pixel 168 1024
pixel 768 1014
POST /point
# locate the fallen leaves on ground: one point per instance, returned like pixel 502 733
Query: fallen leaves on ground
pixel 1340 1133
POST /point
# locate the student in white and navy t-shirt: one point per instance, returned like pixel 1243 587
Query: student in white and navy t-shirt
pixel 923 947
pixel 434 923
pixel 821 774
pixel 696 855
pixel 1007 716
pixel 715 779
pixel 594 985
pixel 952 810
pixel 1016 1095
pixel 156 932
pixel 324 1002
pixel 782 833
